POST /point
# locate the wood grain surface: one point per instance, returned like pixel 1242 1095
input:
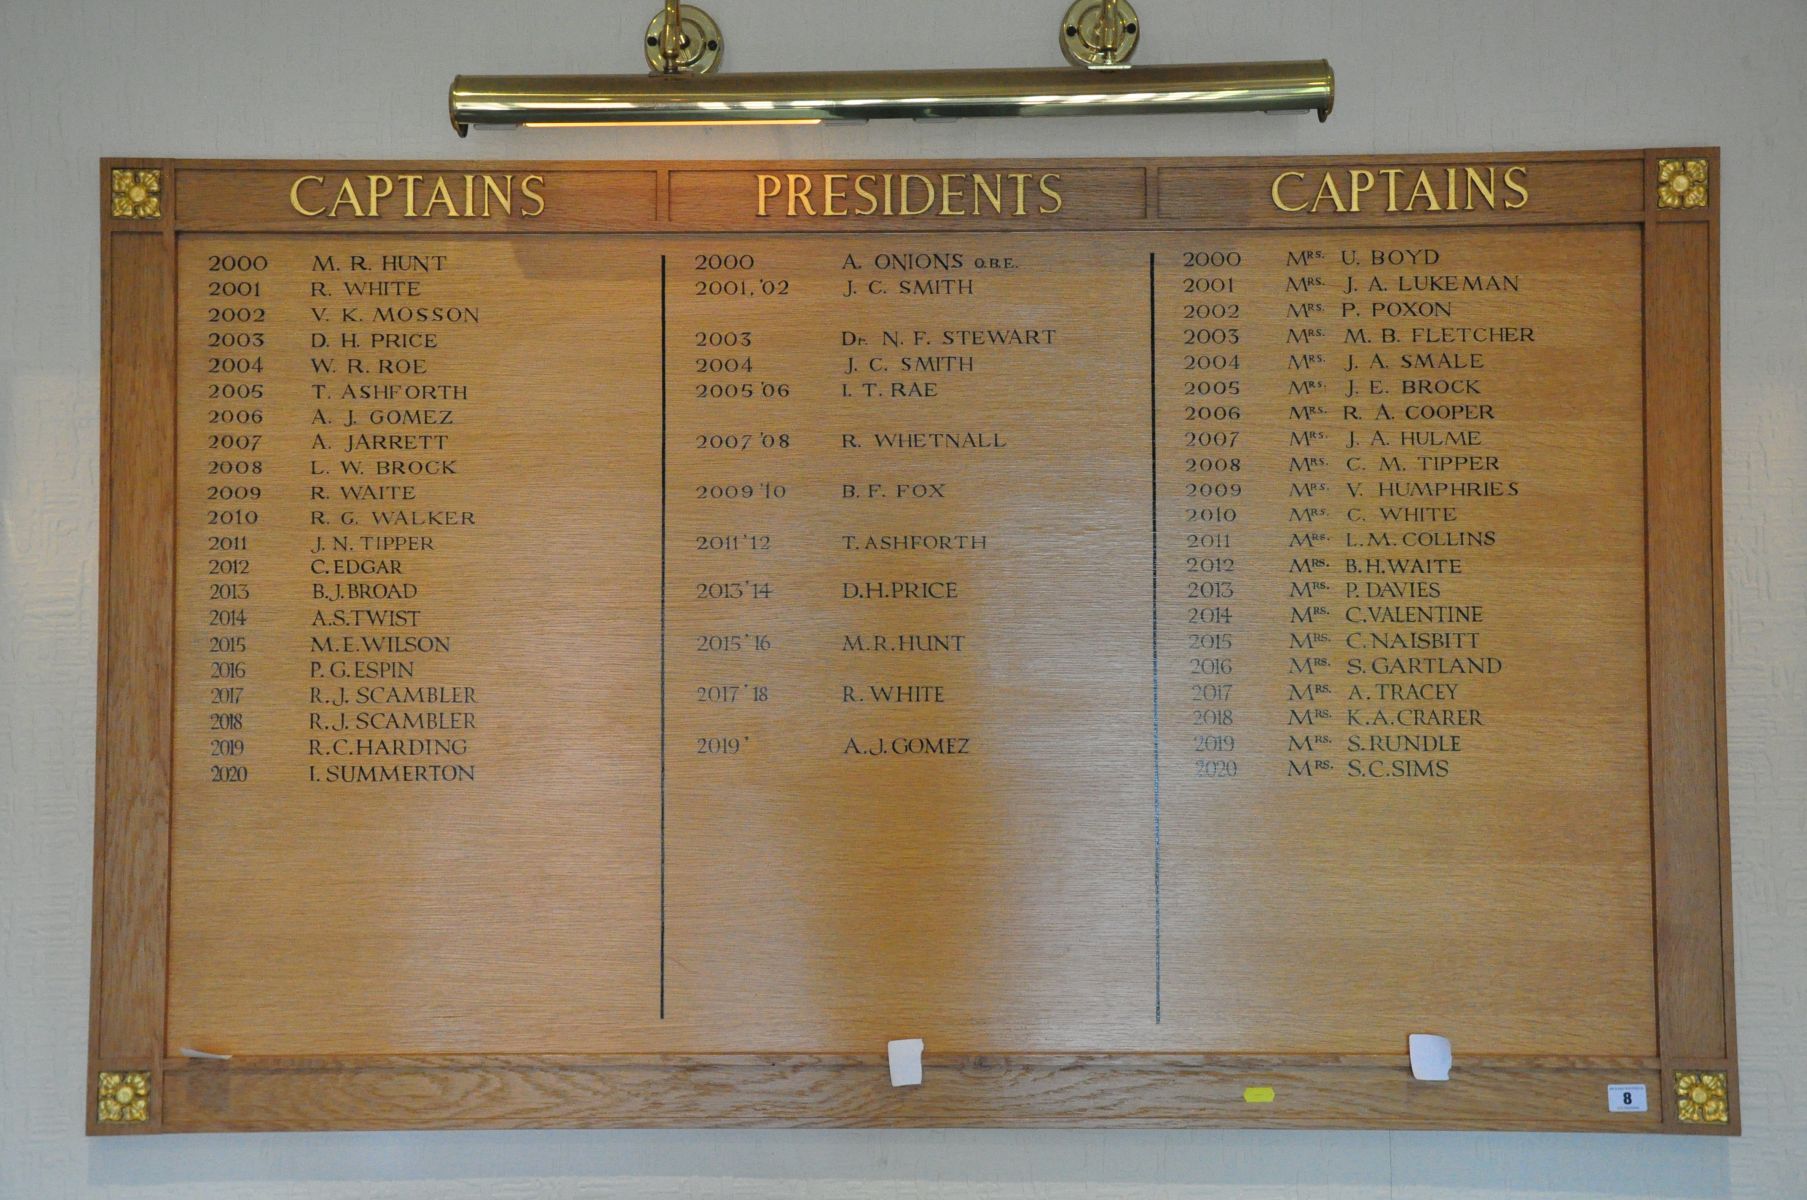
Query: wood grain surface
pixel 1106 905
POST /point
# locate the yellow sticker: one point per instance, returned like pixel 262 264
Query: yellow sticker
pixel 1258 1095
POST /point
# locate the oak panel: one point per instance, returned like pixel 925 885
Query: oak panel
pixel 133 762
pixel 1085 928
pixel 1687 740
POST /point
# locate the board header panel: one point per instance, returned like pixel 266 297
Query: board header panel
pixel 558 197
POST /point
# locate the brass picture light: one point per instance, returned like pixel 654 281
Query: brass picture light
pixel 684 48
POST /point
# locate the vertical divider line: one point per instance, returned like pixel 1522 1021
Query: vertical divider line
pixel 1154 638
pixel 664 393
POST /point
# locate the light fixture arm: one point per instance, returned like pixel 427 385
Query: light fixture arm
pixel 1110 30
pixel 671 37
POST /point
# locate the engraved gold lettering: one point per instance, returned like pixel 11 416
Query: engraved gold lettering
pixel 769 187
pixel 949 194
pixel 800 188
pixel 502 195
pixel 1280 204
pixel 1392 174
pixel 862 189
pixel 1476 186
pixel 346 196
pixel 992 192
pixel 295 195
pixel 380 186
pixel 1461 188
pixel 903 195
pixel 362 196
pixel 441 195
pixel 1328 189
pixel 830 196
pixel 1020 181
pixel 1423 188
pixel 1524 194
pixel 908 194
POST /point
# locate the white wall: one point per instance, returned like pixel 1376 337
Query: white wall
pixel 85 78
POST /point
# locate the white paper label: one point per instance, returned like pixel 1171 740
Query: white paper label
pixel 1431 1056
pixel 906 1062
pixel 1626 1097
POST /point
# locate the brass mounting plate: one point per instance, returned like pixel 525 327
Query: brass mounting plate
pixel 1082 37
pixel 700 48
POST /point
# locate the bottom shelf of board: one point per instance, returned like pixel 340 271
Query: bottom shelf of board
pixel 1150 1090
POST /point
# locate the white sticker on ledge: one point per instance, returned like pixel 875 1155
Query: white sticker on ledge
pixel 1626 1097
pixel 906 1062
pixel 1430 1057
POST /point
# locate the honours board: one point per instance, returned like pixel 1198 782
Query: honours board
pixel 619 644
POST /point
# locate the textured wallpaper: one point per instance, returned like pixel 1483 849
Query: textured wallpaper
pixel 84 78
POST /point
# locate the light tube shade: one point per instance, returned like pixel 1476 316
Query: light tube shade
pixel 808 97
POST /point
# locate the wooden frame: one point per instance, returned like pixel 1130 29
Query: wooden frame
pixel 139 1084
